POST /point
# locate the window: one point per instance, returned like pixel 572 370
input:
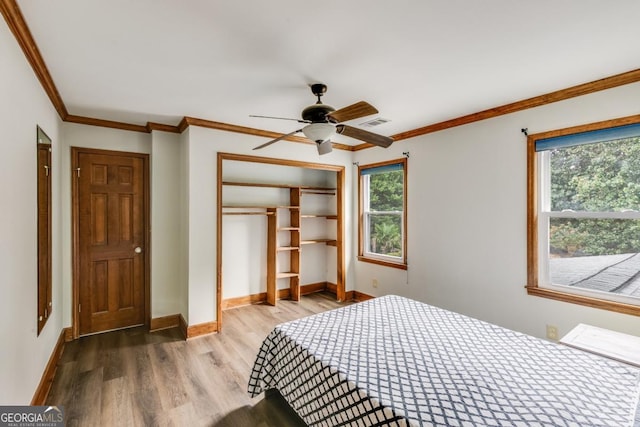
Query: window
pixel 584 215
pixel 382 209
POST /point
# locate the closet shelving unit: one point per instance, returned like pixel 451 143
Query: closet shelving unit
pixel 276 245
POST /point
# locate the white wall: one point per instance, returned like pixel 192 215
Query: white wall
pixel 203 146
pixel 23 105
pixel 183 243
pixel 467 218
pixel 168 284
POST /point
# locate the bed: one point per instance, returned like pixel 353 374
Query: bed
pixel 399 362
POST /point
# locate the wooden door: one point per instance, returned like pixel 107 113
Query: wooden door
pixel 111 240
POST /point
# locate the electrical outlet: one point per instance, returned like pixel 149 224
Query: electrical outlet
pixel 552 332
pixel 374 283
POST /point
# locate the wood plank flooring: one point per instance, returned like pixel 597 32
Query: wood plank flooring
pixel 135 378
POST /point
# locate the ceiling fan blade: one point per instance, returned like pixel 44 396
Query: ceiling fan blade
pixel 277 139
pixel 280 118
pixel 363 135
pixel 354 111
pixel 324 147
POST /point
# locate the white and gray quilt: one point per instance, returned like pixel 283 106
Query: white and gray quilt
pixel 395 361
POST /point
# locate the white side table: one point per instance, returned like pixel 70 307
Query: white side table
pixel 614 345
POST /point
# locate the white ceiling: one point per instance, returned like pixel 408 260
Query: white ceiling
pixel 418 62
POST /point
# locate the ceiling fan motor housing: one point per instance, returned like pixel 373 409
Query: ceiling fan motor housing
pixel 317 113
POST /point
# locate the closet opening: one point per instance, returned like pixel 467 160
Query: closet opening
pixel 280 230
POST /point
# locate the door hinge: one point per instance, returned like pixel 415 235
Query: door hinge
pixel 78 172
pixel 46 170
pixel 79 308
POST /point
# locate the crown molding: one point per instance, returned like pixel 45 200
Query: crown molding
pixel 537 101
pixel 210 124
pixel 151 126
pixel 19 28
pixel 105 123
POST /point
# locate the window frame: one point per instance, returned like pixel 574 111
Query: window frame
pixel 380 259
pixel 535 216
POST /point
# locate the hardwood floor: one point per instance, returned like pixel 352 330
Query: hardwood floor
pixel 135 378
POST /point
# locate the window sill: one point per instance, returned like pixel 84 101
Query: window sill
pixel 619 307
pixel 401 266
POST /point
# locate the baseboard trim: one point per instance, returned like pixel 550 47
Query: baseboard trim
pixel 286 294
pixel 282 294
pixel 165 322
pixel 68 334
pixel 40 396
pixel 313 287
pixel 201 329
pixel 246 300
pixel 184 326
pixel 360 296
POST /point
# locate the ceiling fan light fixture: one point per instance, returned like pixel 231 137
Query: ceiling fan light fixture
pixel 324 147
pixel 319 132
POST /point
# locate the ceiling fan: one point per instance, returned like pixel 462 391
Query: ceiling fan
pixel 324 121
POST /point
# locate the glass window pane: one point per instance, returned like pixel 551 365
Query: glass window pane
pixel 385 234
pixel 386 191
pixel 596 254
pixel 596 177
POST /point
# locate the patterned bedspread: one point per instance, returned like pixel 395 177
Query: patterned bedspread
pixel 395 361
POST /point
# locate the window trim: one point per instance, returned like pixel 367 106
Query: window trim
pixel 382 260
pixel 533 201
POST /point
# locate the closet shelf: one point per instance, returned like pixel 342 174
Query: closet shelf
pixel 319 192
pixel 258 207
pixel 331 242
pixel 327 216
pixel 287 274
pixel 247 213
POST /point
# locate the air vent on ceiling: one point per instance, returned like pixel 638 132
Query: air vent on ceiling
pixel 374 122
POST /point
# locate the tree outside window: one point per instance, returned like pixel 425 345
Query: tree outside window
pixel 382 211
pixel 584 215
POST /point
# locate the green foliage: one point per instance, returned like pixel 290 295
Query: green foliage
pixel 584 237
pixel 602 177
pixel 385 235
pixel 386 193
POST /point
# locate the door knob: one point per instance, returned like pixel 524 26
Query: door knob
pixel 138 250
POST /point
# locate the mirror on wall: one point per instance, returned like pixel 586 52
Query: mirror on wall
pixel 44 227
